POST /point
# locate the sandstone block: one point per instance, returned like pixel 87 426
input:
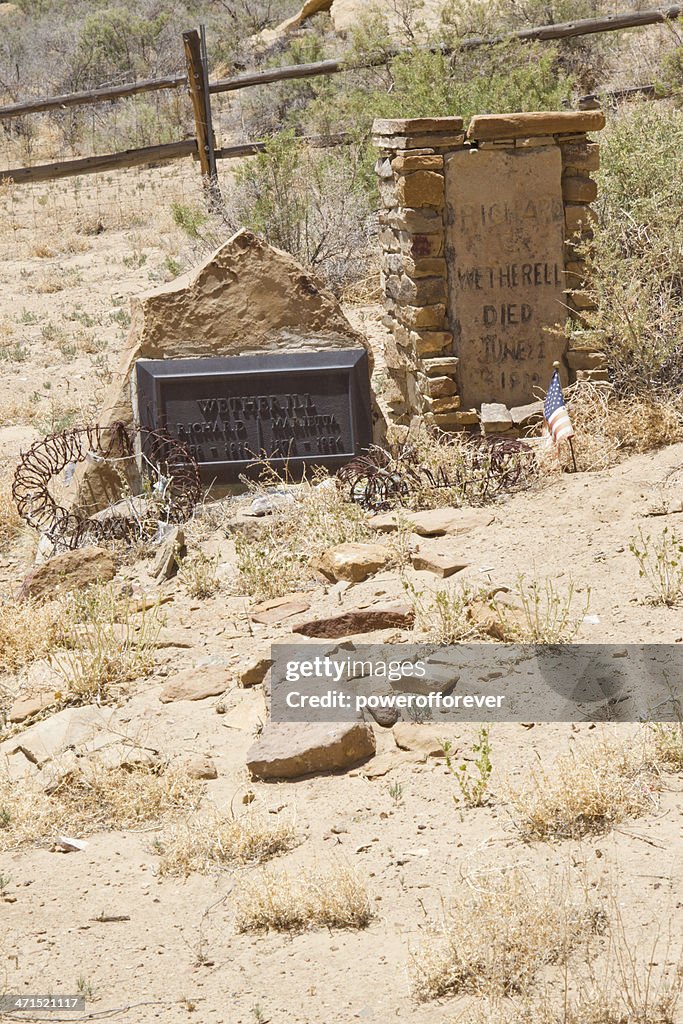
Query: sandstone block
pixel 439 560
pixel 436 141
pixel 421 316
pixel 441 366
pixel 421 245
pixel 440 387
pixel 422 188
pixel 495 417
pixel 577 189
pixel 456 420
pixel 535 142
pixel 584 157
pixel 201 768
pixel 523 415
pixel 580 359
pixel 383 168
pixel 388 193
pixel 415 221
pixel 582 300
pixel 69 571
pixel 280 608
pixel 403 164
pixel 352 562
pixel 431 343
pixel 507 126
pixel 423 292
pixel 414 125
pixel 290 750
pixel 592 375
pixel 579 220
pixel 388 239
pixel 447 404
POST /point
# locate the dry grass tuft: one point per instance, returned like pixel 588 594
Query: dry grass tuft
pixel 215 840
pixel 10 523
pixel 668 744
pixel 608 427
pixel 589 790
pixel 29 631
pixel 336 898
pixel 197 573
pixel 92 800
pixel 276 561
pixel 495 940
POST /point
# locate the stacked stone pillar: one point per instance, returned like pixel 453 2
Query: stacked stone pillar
pixel 429 338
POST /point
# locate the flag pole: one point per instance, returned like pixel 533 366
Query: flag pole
pixel 556 366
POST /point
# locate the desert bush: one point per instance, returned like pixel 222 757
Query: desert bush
pixel 472 775
pixel 10 523
pixel 496 938
pixel 309 202
pixel 668 743
pixel 216 840
pixel 91 800
pixel 197 573
pixel 335 898
pixel 587 791
pixel 444 615
pixel 636 256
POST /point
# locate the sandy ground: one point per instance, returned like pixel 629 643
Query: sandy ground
pixel 177 955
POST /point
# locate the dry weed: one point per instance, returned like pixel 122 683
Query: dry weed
pixel 668 744
pixel 108 644
pixel 197 572
pixel 607 427
pixel 29 631
pixel 92 800
pixel 10 523
pixel 316 517
pixel 335 898
pixel 216 840
pixel 588 791
pixel 496 939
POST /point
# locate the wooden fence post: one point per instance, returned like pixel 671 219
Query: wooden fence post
pixel 201 106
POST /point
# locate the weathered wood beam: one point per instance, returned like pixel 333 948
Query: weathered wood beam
pixel 98 164
pixel 77 99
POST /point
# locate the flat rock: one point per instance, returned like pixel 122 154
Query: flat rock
pixel 200 767
pixel 269 613
pixel 352 562
pixel 254 667
pixel 358 620
pixel 434 522
pixel 71 570
pixel 495 417
pixel 72 727
pixel 485 127
pixel 523 415
pixel 290 750
pixel 196 684
pixel 418 738
pixel 28 705
pixel 438 560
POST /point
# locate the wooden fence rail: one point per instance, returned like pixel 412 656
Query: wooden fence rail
pixel 196 80
pixel 564 30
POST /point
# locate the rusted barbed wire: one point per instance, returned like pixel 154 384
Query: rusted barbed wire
pixel 386 477
pixel 169 481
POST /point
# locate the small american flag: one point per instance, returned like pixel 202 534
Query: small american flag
pixel 555 411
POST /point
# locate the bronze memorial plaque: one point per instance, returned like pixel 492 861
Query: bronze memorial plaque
pixel 295 410
pixel 505 248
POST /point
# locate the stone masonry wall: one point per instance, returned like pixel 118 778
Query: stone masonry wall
pixel 427 340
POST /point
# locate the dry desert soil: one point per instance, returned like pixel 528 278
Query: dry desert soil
pixel 143 945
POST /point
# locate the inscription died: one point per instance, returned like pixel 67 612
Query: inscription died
pixel 294 411
pixel 506 282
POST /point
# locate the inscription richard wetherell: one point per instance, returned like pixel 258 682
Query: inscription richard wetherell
pixel 507 271
pixel 286 425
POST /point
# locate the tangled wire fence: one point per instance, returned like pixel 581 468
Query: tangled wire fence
pixel 170 484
